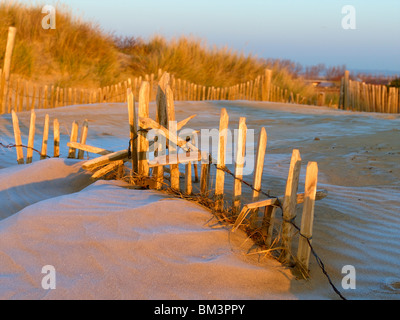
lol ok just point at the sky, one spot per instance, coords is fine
(309, 32)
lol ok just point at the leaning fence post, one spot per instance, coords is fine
(289, 204)
(17, 136)
(307, 219)
(31, 138)
(83, 138)
(268, 223)
(220, 175)
(258, 171)
(12, 31)
(73, 138)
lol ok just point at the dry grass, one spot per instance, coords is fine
(76, 51)
(80, 53)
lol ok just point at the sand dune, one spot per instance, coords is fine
(109, 241)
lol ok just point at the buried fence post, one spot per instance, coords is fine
(31, 138)
(73, 138)
(205, 175)
(188, 178)
(17, 136)
(289, 204)
(268, 223)
(43, 153)
(258, 171)
(307, 219)
(56, 132)
(83, 138)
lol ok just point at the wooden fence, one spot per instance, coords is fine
(151, 173)
(359, 96)
(21, 95)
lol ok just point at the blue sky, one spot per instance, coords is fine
(308, 32)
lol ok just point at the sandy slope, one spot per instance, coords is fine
(357, 224)
(107, 242)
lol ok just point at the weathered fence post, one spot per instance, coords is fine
(205, 176)
(346, 90)
(43, 152)
(31, 138)
(12, 31)
(220, 174)
(73, 138)
(143, 144)
(84, 132)
(17, 136)
(258, 171)
(132, 129)
(239, 163)
(289, 204)
(56, 136)
(307, 219)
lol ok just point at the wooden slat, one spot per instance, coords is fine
(162, 119)
(17, 136)
(45, 138)
(83, 138)
(94, 163)
(181, 158)
(170, 134)
(258, 170)
(205, 176)
(31, 138)
(73, 139)
(87, 148)
(188, 178)
(220, 175)
(268, 223)
(143, 144)
(289, 204)
(56, 131)
(307, 219)
(239, 164)
(182, 123)
(161, 100)
(133, 127)
(107, 169)
(321, 194)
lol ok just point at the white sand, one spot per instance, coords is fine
(107, 241)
